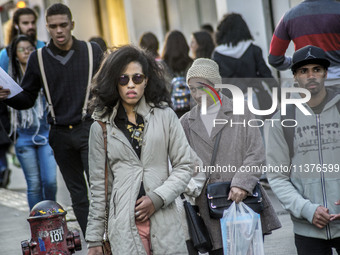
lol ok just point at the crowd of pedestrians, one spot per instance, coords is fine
(159, 110)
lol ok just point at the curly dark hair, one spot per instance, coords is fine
(12, 55)
(176, 52)
(205, 44)
(232, 29)
(105, 83)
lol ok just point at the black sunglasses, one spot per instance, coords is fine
(137, 78)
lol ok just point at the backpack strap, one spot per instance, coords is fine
(89, 48)
(289, 132)
(47, 91)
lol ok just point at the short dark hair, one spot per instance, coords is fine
(149, 42)
(232, 29)
(105, 83)
(16, 17)
(205, 44)
(58, 9)
(207, 27)
(100, 41)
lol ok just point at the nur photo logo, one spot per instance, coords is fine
(239, 99)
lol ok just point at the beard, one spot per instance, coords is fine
(316, 90)
(32, 34)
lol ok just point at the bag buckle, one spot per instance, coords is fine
(212, 205)
(209, 197)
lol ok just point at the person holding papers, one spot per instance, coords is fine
(31, 129)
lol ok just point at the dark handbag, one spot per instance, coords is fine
(217, 194)
(105, 243)
(198, 232)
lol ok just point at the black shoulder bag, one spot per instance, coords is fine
(217, 193)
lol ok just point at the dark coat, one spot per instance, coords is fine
(250, 70)
(239, 146)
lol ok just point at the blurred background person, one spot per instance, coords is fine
(31, 128)
(176, 57)
(23, 22)
(149, 42)
(210, 29)
(241, 62)
(201, 45)
(311, 22)
(100, 41)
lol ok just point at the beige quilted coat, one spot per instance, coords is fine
(163, 137)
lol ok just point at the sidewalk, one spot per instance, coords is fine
(14, 212)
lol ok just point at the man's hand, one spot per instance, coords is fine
(237, 194)
(4, 93)
(336, 216)
(321, 217)
(97, 250)
(144, 209)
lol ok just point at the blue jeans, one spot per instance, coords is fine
(39, 166)
(3, 161)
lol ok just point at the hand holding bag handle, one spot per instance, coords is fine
(217, 193)
(106, 243)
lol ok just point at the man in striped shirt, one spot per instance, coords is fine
(312, 22)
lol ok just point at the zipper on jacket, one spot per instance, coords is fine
(323, 185)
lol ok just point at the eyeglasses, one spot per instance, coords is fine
(22, 49)
(137, 78)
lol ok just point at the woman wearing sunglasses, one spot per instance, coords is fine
(143, 136)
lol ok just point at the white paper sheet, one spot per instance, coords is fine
(8, 83)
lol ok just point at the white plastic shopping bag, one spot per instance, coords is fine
(241, 231)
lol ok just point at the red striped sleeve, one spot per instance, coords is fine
(278, 46)
(331, 44)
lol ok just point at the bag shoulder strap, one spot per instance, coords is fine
(103, 126)
(214, 154)
(89, 48)
(217, 143)
(289, 132)
(47, 91)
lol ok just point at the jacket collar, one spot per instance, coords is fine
(142, 109)
(197, 126)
